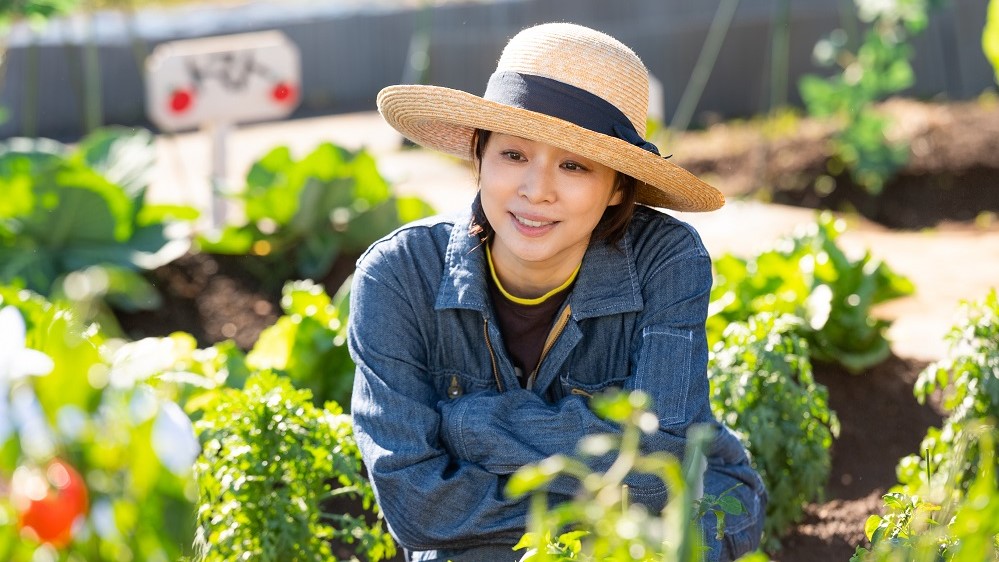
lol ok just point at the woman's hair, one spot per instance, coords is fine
(611, 227)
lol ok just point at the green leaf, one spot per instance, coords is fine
(123, 156)
(871, 525)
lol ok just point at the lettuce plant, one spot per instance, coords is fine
(300, 215)
(809, 276)
(762, 387)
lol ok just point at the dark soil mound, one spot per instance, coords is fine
(952, 174)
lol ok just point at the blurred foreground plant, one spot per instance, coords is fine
(95, 457)
(601, 523)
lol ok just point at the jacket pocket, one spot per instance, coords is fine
(453, 384)
(664, 372)
(585, 388)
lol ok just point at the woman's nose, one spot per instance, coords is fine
(537, 185)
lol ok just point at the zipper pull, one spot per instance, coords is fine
(454, 390)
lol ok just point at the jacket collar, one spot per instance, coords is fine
(607, 282)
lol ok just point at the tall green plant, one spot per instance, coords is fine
(990, 37)
(968, 381)
(878, 68)
(762, 387)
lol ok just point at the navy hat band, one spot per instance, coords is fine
(566, 102)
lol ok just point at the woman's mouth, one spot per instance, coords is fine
(533, 226)
(532, 223)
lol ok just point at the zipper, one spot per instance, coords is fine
(492, 354)
(563, 321)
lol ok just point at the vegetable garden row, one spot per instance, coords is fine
(158, 449)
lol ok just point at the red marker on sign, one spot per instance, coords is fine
(283, 92)
(180, 100)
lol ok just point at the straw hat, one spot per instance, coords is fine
(562, 84)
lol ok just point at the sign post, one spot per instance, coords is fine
(216, 83)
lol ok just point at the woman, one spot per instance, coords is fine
(478, 338)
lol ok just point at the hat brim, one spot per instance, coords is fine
(444, 119)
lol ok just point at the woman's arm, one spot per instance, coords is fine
(668, 363)
(430, 499)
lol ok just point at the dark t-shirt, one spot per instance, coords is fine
(525, 327)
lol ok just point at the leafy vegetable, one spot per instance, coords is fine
(66, 211)
(762, 387)
(808, 275)
(271, 459)
(304, 214)
(309, 343)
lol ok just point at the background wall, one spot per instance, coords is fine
(349, 53)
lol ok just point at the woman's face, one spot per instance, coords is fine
(543, 203)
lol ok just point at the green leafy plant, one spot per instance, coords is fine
(303, 214)
(270, 461)
(84, 210)
(309, 343)
(968, 381)
(964, 528)
(79, 417)
(602, 524)
(878, 68)
(808, 275)
(762, 387)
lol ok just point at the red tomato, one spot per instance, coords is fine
(49, 503)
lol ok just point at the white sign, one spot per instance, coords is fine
(227, 79)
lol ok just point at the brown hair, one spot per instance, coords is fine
(611, 227)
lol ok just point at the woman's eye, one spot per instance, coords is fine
(512, 155)
(573, 166)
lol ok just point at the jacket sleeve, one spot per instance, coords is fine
(669, 363)
(430, 499)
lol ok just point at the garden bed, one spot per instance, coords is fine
(880, 419)
(952, 180)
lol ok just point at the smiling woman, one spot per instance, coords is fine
(480, 338)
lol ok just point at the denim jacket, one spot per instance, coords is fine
(442, 420)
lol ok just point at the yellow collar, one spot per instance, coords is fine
(519, 300)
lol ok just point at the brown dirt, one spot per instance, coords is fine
(952, 174)
(953, 180)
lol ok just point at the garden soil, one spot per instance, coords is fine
(942, 234)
